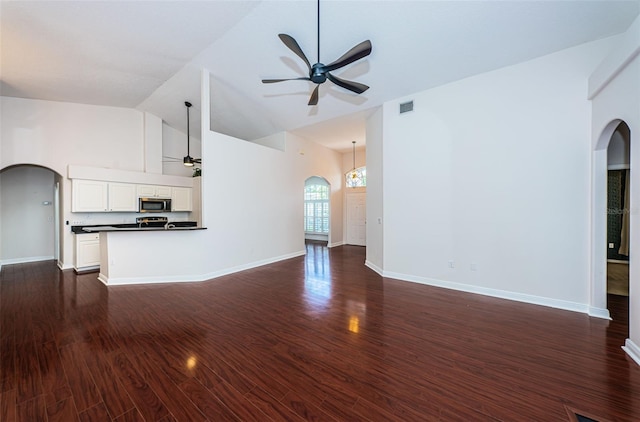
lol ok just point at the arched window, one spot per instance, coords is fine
(316, 205)
(357, 178)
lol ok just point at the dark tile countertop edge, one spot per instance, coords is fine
(178, 226)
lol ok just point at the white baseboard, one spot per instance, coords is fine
(599, 313)
(632, 350)
(374, 267)
(64, 266)
(486, 291)
(24, 260)
(336, 244)
(103, 278)
(188, 278)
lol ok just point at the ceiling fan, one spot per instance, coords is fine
(319, 72)
(188, 161)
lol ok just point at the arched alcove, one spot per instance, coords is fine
(317, 209)
(30, 218)
(600, 213)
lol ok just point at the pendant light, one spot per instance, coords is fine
(188, 160)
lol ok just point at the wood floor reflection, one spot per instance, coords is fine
(320, 337)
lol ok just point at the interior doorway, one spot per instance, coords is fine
(317, 206)
(618, 215)
(29, 209)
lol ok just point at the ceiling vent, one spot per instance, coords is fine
(406, 107)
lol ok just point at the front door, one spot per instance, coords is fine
(357, 219)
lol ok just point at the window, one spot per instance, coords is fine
(357, 178)
(316, 206)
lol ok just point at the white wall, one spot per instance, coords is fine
(254, 199)
(492, 173)
(375, 191)
(347, 159)
(616, 89)
(28, 224)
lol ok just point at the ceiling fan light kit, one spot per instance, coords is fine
(319, 72)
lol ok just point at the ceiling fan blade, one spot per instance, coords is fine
(293, 46)
(313, 100)
(271, 81)
(356, 87)
(197, 160)
(359, 51)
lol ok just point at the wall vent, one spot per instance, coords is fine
(405, 107)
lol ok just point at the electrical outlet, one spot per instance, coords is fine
(452, 264)
(474, 267)
(611, 246)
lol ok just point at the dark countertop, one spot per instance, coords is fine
(178, 226)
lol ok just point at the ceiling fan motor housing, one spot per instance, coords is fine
(317, 74)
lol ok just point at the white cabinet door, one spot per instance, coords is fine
(122, 197)
(89, 196)
(181, 199)
(163, 191)
(154, 191)
(146, 191)
(87, 251)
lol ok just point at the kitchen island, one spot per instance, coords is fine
(130, 254)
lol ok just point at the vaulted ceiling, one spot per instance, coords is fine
(148, 54)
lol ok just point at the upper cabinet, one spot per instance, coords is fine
(154, 191)
(89, 196)
(99, 196)
(122, 197)
(181, 199)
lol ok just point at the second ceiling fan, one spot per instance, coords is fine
(319, 72)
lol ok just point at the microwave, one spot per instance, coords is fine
(154, 205)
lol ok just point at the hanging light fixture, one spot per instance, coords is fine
(354, 173)
(189, 161)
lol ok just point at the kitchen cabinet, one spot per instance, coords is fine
(89, 196)
(122, 197)
(99, 196)
(154, 191)
(87, 248)
(181, 199)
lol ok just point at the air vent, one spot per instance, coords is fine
(405, 107)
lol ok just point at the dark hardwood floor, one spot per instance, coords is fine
(319, 337)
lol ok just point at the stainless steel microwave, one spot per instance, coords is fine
(154, 205)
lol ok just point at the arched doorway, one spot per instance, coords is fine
(29, 214)
(601, 213)
(317, 206)
(618, 215)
